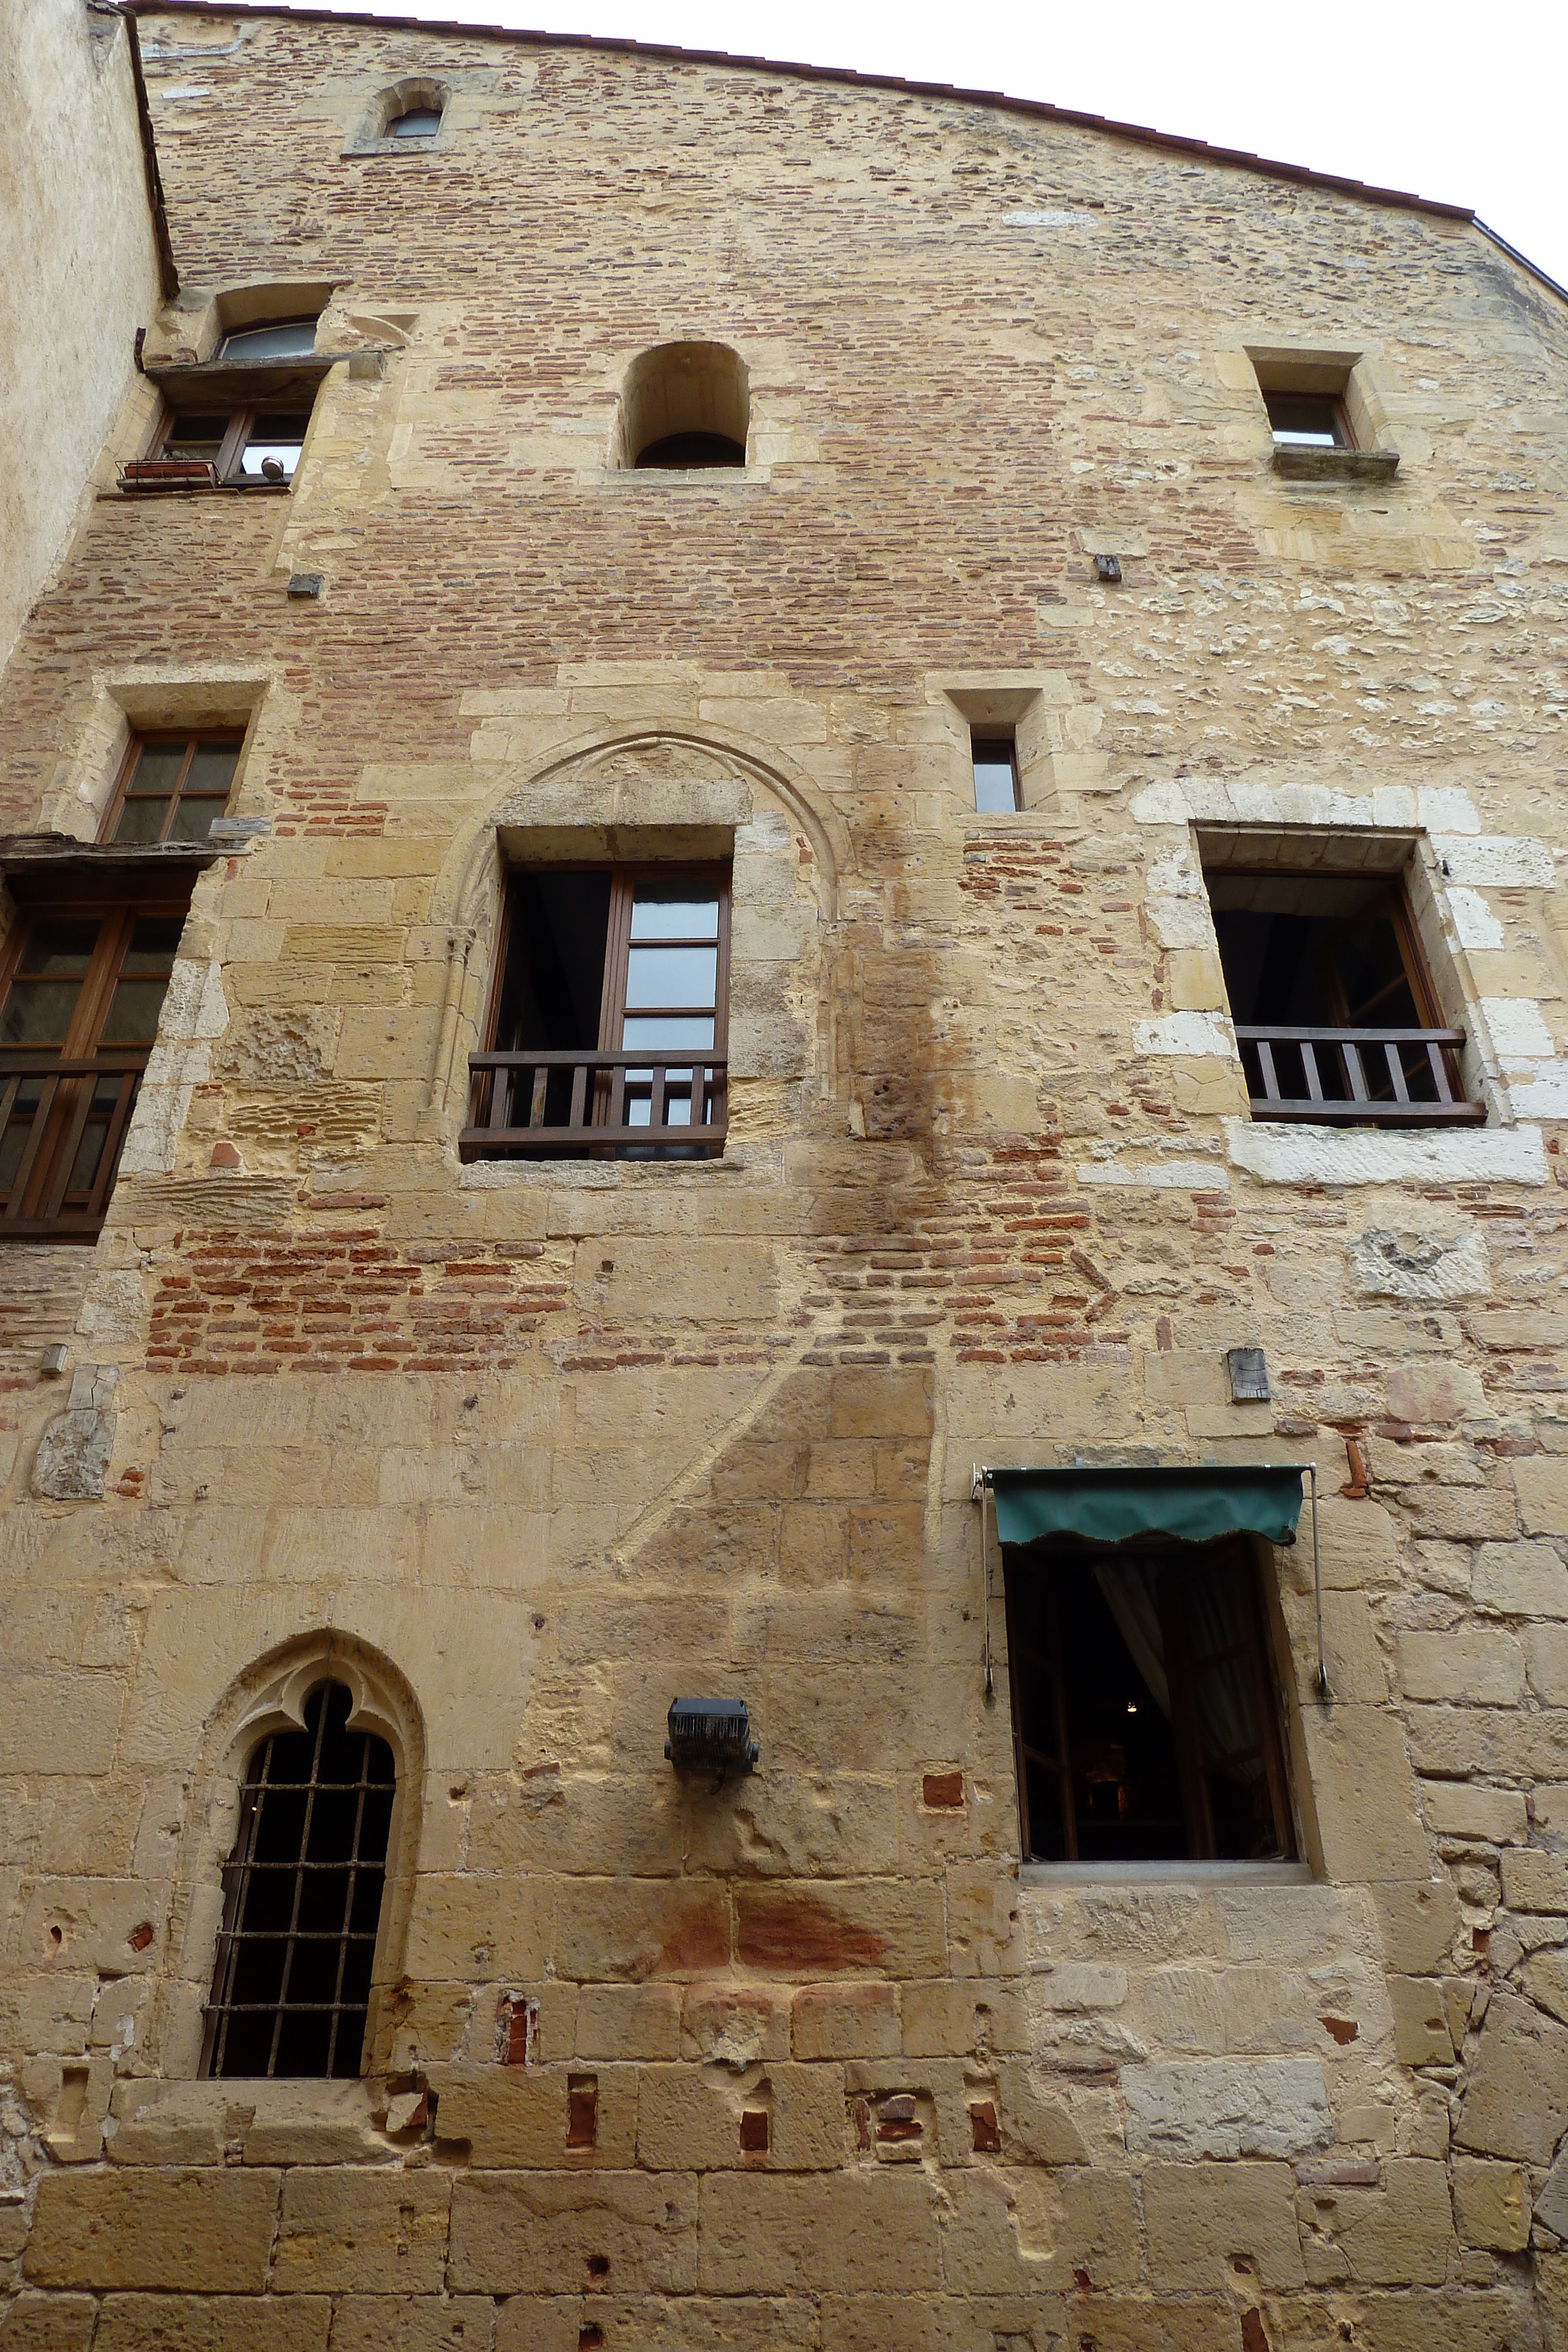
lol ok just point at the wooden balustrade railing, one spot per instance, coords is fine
(545, 1100)
(1395, 1077)
(62, 1124)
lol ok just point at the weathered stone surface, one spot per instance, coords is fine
(1269, 2106)
(1515, 2103)
(542, 2231)
(1398, 2233)
(348, 2229)
(1203, 2218)
(1491, 2205)
(74, 1452)
(190, 2322)
(200, 2231)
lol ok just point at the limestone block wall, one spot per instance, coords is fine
(82, 276)
(525, 1449)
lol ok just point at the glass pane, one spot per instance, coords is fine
(194, 815)
(290, 338)
(266, 451)
(659, 914)
(656, 1034)
(213, 768)
(419, 122)
(155, 943)
(38, 1013)
(672, 976)
(1304, 420)
(157, 771)
(14, 1139)
(60, 946)
(194, 437)
(133, 1012)
(994, 788)
(88, 1152)
(142, 820)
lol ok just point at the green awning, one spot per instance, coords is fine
(1110, 1507)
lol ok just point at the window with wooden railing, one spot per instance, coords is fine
(608, 1026)
(82, 989)
(1336, 1019)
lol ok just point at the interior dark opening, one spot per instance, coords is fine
(552, 987)
(1321, 954)
(1143, 1708)
(1307, 420)
(689, 450)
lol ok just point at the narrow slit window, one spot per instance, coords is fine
(1144, 1713)
(303, 1899)
(996, 767)
(171, 787)
(1307, 420)
(610, 1026)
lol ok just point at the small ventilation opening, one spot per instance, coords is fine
(685, 406)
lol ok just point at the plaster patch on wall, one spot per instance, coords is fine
(1167, 1175)
(1497, 861)
(1193, 1036)
(1518, 1030)
(1228, 2107)
(1387, 1264)
(1475, 925)
(1277, 1154)
(74, 1452)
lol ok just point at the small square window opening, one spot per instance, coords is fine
(1307, 420)
(996, 769)
(418, 122)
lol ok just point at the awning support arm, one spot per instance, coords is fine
(980, 1481)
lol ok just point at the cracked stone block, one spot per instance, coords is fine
(74, 1450)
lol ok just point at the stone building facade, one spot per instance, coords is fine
(1103, 597)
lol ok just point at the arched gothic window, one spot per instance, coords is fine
(303, 1899)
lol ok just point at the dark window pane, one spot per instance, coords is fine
(194, 815)
(132, 1016)
(683, 451)
(1305, 420)
(212, 767)
(302, 1938)
(38, 1012)
(196, 437)
(155, 943)
(157, 769)
(555, 961)
(141, 820)
(61, 945)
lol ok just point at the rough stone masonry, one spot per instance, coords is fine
(516, 1448)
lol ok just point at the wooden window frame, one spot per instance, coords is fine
(480, 1140)
(37, 1206)
(1270, 1699)
(227, 467)
(208, 739)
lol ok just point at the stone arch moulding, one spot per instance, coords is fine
(463, 884)
(622, 792)
(269, 1696)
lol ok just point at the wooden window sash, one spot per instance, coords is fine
(232, 448)
(213, 739)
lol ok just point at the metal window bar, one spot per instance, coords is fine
(1351, 1096)
(245, 1887)
(508, 1101)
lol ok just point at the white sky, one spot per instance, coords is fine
(1446, 98)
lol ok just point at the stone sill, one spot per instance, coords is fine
(1165, 1874)
(681, 481)
(1336, 465)
(573, 1175)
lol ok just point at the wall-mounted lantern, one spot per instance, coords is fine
(710, 1735)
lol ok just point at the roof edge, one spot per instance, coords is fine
(1532, 268)
(1037, 110)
